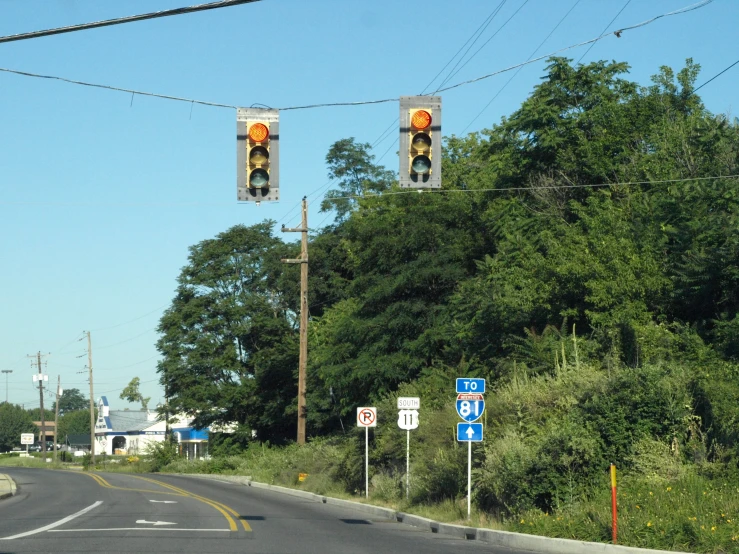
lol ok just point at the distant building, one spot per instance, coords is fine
(49, 428)
(132, 431)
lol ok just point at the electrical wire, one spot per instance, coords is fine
(520, 68)
(605, 28)
(717, 75)
(452, 75)
(159, 309)
(551, 187)
(481, 29)
(121, 20)
(617, 33)
(124, 341)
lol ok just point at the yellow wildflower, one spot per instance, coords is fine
(522, 521)
(649, 523)
(713, 528)
(669, 489)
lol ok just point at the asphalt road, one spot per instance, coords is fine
(66, 511)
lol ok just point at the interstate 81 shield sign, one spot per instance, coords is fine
(470, 406)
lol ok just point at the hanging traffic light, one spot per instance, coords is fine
(257, 156)
(420, 141)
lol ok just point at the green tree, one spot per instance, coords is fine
(132, 393)
(74, 423)
(350, 165)
(71, 400)
(14, 420)
(229, 340)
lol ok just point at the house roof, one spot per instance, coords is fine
(129, 420)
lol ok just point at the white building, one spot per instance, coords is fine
(132, 431)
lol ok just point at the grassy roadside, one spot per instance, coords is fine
(688, 513)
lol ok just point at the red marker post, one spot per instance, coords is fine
(614, 521)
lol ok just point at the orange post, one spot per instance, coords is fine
(613, 504)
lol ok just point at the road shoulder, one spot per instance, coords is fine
(7, 486)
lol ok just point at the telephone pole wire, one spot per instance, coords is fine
(56, 413)
(92, 401)
(303, 360)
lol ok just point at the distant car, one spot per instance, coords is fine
(34, 448)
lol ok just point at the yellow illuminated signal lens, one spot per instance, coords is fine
(421, 119)
(258, 132)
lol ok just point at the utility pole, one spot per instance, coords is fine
(92, 400)
(56, 413)
(6, 371)
(303, 360)
(40, 378)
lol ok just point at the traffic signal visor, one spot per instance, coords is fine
(257, 154)
(420, 141)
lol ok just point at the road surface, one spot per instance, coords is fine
(71, 511)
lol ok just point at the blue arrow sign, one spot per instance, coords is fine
(466, 384)
(470, 406)
(469, 432)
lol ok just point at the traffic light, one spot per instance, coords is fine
(257, 154)
(420, 141)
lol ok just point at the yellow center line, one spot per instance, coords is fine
(214, 503)
(178, 492)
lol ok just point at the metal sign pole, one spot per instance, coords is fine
(469, 477)
(407, 464)
(366, 462)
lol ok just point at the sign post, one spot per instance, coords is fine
(366, 417)
(408, 419)
(470, 406)
(26, 438)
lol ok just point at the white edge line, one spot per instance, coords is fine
(55, 524)
(135, 529)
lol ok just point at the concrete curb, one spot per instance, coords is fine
(7, 486)
(521, 541)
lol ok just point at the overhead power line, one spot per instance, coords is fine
(617, 33)
(121, 20)
(615, 17)
(715, 76)
(528, 189)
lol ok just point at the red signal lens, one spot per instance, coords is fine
(258, 132)
(421, 119)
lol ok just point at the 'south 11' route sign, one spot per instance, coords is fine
(470, 406)
(366, 417)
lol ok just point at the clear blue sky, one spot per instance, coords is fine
(100, 197)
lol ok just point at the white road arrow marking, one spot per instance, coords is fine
(470, 432)
(164, 501)
(155, 523)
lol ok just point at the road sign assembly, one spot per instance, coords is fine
(469, 432)
(27, 438)
(409, 403)
(466, 384)
(470, 406)
(408, 419)
(366, 417)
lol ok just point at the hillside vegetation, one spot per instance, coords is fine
(583, 257)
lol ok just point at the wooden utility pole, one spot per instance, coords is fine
(41, 400)
(92, 401)
(56, 414)
(303, 360)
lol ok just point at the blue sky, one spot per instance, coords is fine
(101, 193)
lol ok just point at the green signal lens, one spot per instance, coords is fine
(258, 155)
(421, 165)
(258, 178)
(421, 142)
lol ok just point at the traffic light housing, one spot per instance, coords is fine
(420, 142)
(257, 154)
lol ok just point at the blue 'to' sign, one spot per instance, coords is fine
(470, 406)
(470, 385)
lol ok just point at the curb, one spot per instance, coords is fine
(533, 543)
(7, 486)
